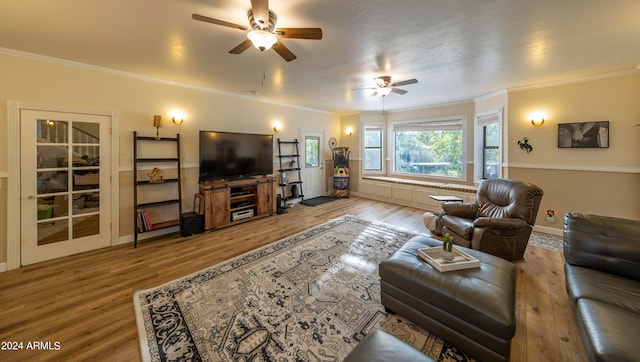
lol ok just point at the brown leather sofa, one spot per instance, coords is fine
(499, 222)
(602, 274)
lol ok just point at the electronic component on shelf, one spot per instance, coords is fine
(241, 214)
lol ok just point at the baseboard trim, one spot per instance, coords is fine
(547, 230)
(3, 267)
(148, 235)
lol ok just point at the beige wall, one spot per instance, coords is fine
(64, 86)
(601, 181)
(598, 181)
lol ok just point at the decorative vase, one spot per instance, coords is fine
(447, 255)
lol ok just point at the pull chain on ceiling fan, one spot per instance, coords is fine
(263, 33)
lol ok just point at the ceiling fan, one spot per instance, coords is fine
(262, 32)
(384, 85)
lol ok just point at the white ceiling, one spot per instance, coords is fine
(457, 49)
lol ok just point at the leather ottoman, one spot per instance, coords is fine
(381, 346)
(473, 309)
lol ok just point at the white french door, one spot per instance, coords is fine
(313, 165)
(65, 189)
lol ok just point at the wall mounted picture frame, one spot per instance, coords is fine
(583, 135)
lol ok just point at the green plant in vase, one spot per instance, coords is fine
(447, 251)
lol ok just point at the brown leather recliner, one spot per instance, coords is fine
(499, 222)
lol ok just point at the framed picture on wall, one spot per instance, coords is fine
(583, 135)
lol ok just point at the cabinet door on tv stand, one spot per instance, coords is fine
(266, 202)
(220, 207)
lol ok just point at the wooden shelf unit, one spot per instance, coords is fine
(287, 173)
(175, 194)
(225, 200)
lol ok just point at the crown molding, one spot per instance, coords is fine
(95, 68)
(491, 95)
(575, 80)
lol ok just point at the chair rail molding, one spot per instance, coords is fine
(616, 169)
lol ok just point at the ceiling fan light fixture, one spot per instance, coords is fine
(384, 91)
(262, 39)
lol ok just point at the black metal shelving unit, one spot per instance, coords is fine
(290, 168)
(140, 208)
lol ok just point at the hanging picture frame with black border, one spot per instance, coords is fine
(583, 135)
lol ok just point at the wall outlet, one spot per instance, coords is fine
(550, 216)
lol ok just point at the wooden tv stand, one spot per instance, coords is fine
(229, 203)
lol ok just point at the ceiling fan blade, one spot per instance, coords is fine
(399, 91)
(260, 9)
(404, 82)
(300, 33)
(207, 19)
(241, 47)
(284, 52)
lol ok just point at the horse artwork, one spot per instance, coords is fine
(524, 145)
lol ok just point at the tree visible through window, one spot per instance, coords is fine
(431, 147)
(490, 150)
(312, 151)
(488, 145)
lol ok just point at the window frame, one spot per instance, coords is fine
(306, 153)
(482, 120)
(382, 128)
(392, 147)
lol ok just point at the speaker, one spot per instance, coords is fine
(191, 223)
(281, 206)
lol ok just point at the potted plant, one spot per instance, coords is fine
(447, 252)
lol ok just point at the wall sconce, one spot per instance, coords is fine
(177, 117)
(277, 127)
(157, 123)
(349, 131)
(537, 119)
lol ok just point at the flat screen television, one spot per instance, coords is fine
(226, 155)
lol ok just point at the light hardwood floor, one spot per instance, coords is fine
(84, 302)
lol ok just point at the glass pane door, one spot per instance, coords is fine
(313, 170)
(63, 187)
(68, 179)
(312, 151)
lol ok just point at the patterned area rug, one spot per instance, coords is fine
(310, 297)
(546, 241)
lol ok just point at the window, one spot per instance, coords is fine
(373, 152)
(429, 147)
(312, 151)
(488, 145)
